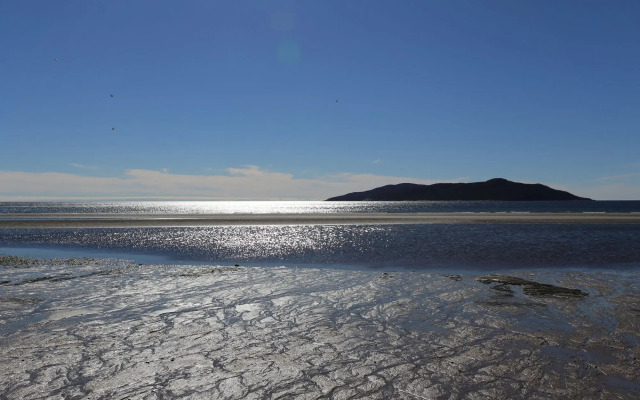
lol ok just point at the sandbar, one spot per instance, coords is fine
(113, 220)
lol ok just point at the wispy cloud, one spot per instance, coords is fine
(614, 191)
(82, 166)
(616, 177)
(603, 189)
(239, 183)
(247, 182)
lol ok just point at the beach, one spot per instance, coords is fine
(336, 305)
(119, 220)
(98, 329)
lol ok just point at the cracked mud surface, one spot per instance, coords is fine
(108, 329)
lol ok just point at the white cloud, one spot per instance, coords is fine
(248, 182)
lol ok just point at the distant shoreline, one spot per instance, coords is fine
(113, 220)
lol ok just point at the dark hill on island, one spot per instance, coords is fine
(493, 189)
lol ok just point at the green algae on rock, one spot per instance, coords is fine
(530, 288)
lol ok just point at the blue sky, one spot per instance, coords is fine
(237, 99)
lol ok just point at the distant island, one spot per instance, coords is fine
(494, 189)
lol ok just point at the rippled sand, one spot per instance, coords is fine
(85, 328)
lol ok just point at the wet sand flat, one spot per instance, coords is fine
(169, 220)
(89, 328)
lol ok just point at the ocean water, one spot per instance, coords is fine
(435, 247)
(265, 207)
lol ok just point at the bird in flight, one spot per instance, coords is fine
(337, 100)
(112, 95)
(55, 59)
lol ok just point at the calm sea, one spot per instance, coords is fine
(438, 247)
(261, 207)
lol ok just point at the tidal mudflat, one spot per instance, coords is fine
(113, 329)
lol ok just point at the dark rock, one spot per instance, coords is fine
(511, 304)
(530, 288)
(542, 289)
(504, 288)
(505, 279)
